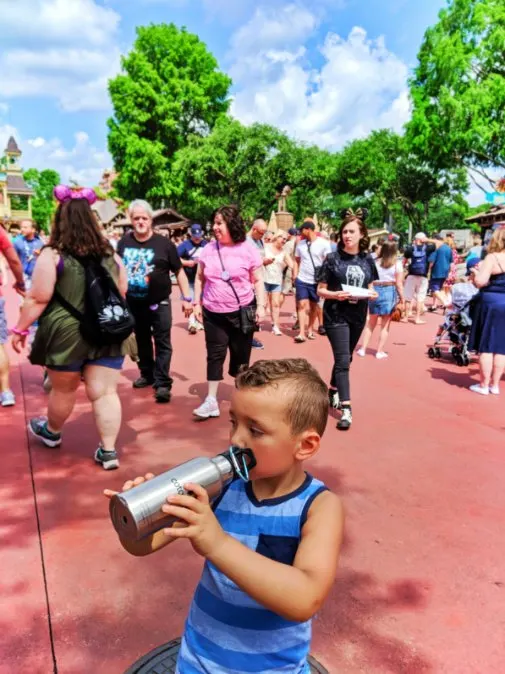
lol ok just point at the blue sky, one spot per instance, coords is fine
(326, 71)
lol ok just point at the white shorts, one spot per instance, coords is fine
(416, 287)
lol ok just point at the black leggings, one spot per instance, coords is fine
(343, 338)
(222, 332)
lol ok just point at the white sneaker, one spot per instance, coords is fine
(199, 326)
(495, 390)
(7, 398)
(477, 388)
(209, 408)
(361, 353)
(381, 354)
(276, 331)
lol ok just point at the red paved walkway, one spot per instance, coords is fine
(421, 586)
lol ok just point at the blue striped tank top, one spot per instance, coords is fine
(228, 632)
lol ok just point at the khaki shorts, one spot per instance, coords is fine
(416, 287)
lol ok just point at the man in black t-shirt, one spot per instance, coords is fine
(149, 259)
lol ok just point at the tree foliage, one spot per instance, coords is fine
(249, 166)
(170, 89)
(383, 169)
(43, 202)
(458, 89)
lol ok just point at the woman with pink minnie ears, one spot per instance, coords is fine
(58, 290)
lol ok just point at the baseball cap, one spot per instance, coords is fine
(196, 231)
(308, 224)
(471, 263)
(420, 236)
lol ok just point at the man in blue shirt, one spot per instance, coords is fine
(28, 246)
(189, 252)
(440, 266)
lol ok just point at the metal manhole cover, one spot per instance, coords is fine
(162, 660)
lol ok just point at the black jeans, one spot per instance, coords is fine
(343, 338)
(222, 332)
(154, 324)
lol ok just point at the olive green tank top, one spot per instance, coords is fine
(58, 340)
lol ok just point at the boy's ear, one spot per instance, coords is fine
(308, 445)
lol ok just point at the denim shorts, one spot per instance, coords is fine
(273, 287)
(4, 333)
(306, 291)
(112, 362)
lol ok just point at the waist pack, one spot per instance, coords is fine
(106, 319)
(419, 263)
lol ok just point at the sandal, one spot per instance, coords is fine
(311, 335)
(299, 339)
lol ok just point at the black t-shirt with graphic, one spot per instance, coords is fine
(148, 264)
(339, 269)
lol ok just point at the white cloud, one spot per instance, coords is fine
(360, 86)
(82, 161)
(70, 52)
(68, 21)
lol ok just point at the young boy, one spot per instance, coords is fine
(271, 545)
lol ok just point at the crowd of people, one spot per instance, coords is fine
(228, 283)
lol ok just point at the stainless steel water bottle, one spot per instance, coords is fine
(137, 513)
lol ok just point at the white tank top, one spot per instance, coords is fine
(273, 272)
(388, 275)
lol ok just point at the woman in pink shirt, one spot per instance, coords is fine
(228, 285)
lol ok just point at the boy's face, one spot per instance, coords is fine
(258, 422)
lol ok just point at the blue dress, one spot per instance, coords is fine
(488, 319)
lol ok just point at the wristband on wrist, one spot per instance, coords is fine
(20, 286)
(186, 299)
(21, 333)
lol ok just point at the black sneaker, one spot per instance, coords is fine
(162, 394)
(345, 420)
(333, 398)
(321, 330)
(108, 460)
(256, 344)
(142, 382)
(38, 428)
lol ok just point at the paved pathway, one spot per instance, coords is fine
(421, 585)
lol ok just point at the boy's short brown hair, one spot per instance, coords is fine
(308, 406)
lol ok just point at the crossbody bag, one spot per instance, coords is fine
(317, 269)
(247, 315)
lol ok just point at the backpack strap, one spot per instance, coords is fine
(68, 306)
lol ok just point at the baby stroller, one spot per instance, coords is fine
(455, 331)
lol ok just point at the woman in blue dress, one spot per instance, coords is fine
(487, 336)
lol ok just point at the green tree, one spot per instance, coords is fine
(382, 169)
(458, 90)
(248, 166)
(170, 89)
(43, 203)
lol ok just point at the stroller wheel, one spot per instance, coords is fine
(459, 360)
(455, 351)
(438, 352)
(466, 361)
(431, 352)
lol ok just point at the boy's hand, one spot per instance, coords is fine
(129, 484)
(202, 527)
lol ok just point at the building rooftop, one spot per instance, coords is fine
(17, 185)
(12, 146)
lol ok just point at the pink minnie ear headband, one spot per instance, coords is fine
(64, 193)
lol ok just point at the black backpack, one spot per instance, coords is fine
(106, 320)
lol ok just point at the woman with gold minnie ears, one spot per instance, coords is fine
(346, 284)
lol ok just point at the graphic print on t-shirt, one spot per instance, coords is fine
(138, 267)
(355, 276)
